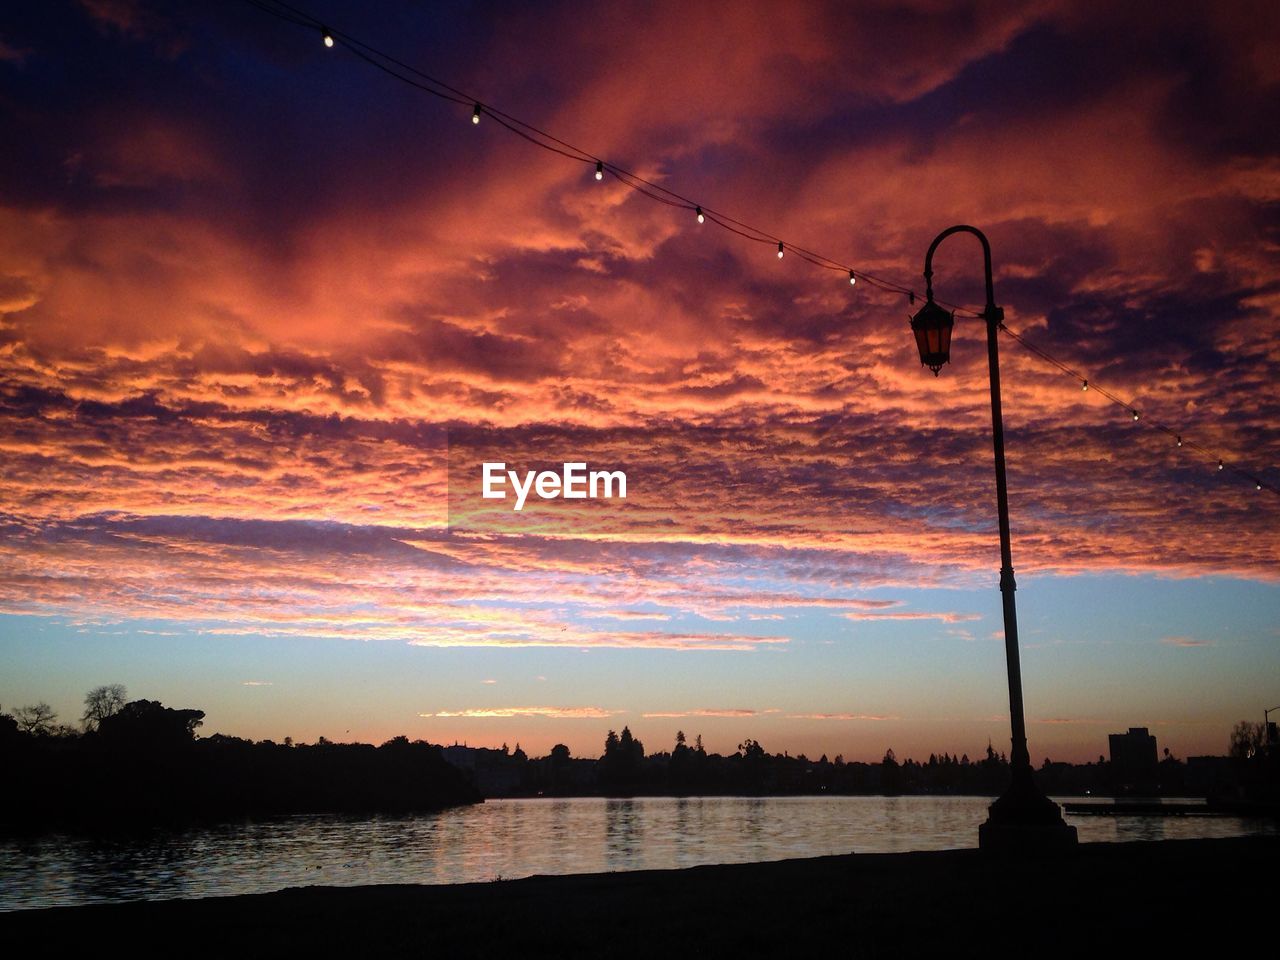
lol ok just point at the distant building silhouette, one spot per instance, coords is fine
(494, 772)
(1133, 756)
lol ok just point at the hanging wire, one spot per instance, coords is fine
(414, 77)
(1179, 437)
(423, 81)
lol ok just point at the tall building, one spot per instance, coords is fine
(1133, 755)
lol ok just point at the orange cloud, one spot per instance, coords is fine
(1185, 642)
(228, 378)
(839, 716)
(550, 713)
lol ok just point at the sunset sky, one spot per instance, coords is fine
(262, 306)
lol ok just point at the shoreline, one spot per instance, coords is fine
(1162, 891)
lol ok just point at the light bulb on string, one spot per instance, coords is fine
(329, 41)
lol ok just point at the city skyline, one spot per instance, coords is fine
(262, 309)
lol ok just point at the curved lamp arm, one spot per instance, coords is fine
(986, 261)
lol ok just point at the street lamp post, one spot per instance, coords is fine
(1266, 727)
(1023, 818)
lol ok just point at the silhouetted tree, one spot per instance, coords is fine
(632, 749)
(1246, 739)
(144, 766)
(36, 719)
(8, 728)
(680, 766)
(149, 722)
(622, 760)
(890, 773)
(102, 702)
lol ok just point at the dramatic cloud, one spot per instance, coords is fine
(263, 309)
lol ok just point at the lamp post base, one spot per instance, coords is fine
(1026, 838)
(1024, 820)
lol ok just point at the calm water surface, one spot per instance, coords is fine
(517, 838)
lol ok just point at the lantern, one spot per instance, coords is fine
(932, 327)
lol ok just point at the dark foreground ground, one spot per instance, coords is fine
(1187, 898)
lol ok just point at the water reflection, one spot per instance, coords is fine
(515, 838)
(623, 834)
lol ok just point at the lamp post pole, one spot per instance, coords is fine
(1023, 817)
(993, 316)
(1266, 726)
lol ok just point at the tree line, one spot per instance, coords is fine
(624, 768)
(130, 762)
(140, 763)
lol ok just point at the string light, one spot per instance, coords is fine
(1149, 421)
(414, 77)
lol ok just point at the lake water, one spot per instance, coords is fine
(518, 838)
